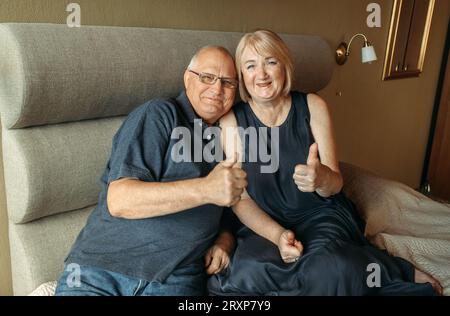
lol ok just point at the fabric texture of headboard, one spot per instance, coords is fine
(63, 94)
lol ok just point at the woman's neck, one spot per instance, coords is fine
(272, 113)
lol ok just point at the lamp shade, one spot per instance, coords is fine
(368, 54)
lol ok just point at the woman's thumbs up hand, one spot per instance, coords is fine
(311, 176)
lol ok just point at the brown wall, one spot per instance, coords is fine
(381, 126)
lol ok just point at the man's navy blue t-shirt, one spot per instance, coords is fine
(149, 248)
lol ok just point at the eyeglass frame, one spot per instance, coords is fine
(229, 83)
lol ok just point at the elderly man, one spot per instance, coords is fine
(156, 217)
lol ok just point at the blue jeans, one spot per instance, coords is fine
(93, 281)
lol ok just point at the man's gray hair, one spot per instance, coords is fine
(194, 58)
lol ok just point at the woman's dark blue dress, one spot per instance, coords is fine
(337, 258)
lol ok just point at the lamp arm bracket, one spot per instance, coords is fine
(351, 40)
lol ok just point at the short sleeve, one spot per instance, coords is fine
(140, 145)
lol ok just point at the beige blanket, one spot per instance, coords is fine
(402, 221)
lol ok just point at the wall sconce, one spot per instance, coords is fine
(367, 52)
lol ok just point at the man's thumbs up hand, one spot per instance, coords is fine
(225, 183)
(231, 162)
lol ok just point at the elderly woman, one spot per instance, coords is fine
(299, 207)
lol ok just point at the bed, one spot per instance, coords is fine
(65, 91)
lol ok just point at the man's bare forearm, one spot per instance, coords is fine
(135, 199)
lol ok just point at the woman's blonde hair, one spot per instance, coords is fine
(265, 43)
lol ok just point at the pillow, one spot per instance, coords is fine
(403, 221)
(46, 289)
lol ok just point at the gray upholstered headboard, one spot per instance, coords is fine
(63, 94)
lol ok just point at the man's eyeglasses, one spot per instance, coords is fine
(207, 78)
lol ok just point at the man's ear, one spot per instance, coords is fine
(186, 79)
